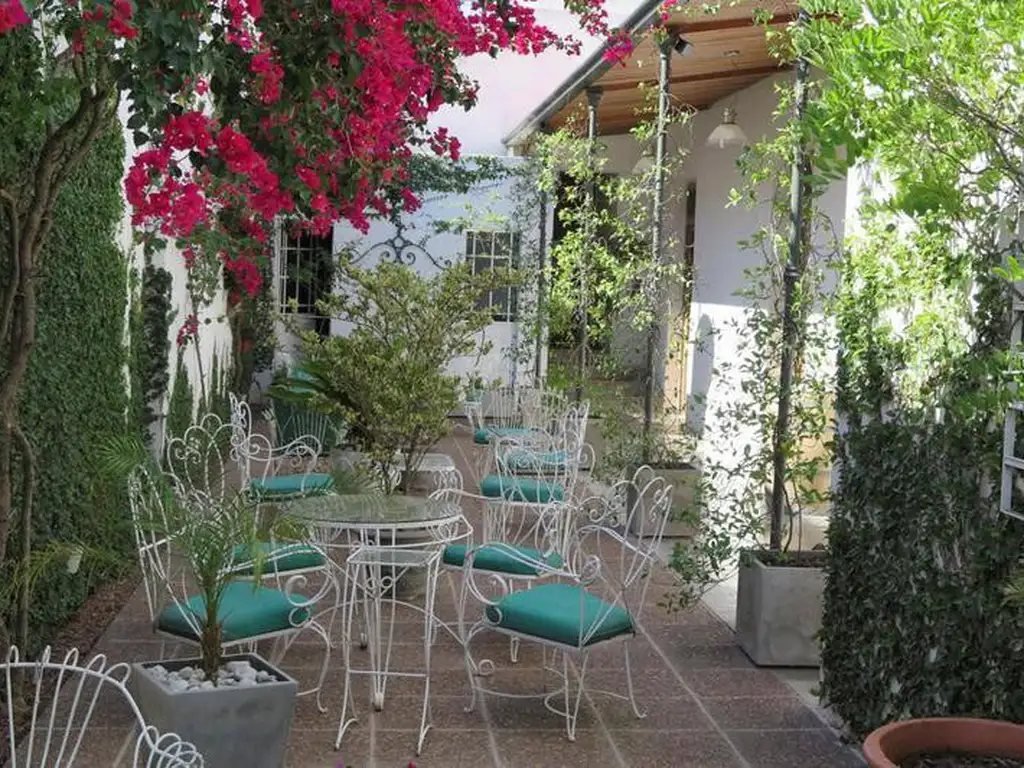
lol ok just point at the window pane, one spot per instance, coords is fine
(502, 245)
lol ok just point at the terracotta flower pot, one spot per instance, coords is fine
(887, 746)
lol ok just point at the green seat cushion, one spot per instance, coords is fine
(500, 558)
(556, 612)
(245, 611)
(289, 556)
(521, 489)
(523, 460)
(483, 436)
(292, 485)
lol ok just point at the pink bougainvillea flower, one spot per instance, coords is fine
(12, 14)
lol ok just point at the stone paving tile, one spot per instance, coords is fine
(677, 749)
(757, 712)
(668, 713)
(442, 749)
(787, 749)
(312, 748)
(551, 749)
(735, 682)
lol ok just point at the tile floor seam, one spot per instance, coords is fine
(373, 742)
(700, 704)
(492, 740)
(607, 732)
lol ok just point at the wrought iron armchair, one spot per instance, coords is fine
(593, 598)
(64, 697)
(516, 411)
(210, 458)
(272, 471)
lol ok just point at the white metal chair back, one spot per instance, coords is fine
(202, 458)
(624, 531)
(260, 458)
(548, 459)
(64, 697)
(541, 408)
(148, 497)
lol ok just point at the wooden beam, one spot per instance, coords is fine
(692, 27)
(700, 77)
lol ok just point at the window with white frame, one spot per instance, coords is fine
(304, 271)
(495, 250)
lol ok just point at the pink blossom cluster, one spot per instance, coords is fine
(333, 103)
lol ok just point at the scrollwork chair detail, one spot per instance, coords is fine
(251, 613)
(65, 695)
(593, 598)
(211, 458)
(275, 472)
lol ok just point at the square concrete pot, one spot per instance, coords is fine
(778, 608)
(683, 479)
(231, 727)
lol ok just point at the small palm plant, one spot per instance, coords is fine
(208, 531)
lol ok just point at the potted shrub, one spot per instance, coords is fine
(387, 377)
(669, 454)
(779, 592)
(237, 709)
(945, 741)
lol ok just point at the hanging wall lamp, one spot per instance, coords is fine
(727, 134)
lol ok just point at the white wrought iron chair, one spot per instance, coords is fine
(533, 470)
(275, 472)
(593, 599)
(202, 460)
(515, 411)
(252, 613)
(64, 696)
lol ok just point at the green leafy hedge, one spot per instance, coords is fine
(75, 393)
(915, 619)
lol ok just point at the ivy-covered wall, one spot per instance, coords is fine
(916, 622)
(75, 393)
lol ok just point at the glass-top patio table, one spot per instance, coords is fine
(367, 513)
(385, 537)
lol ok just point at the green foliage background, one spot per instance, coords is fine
(916, 623)
(75, 394)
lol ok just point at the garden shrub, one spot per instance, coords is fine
(915, 618)
(181, 406)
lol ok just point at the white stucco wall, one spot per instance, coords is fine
(719, 260)
(215, 337)
(490, 206)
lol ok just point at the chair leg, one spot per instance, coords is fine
(325, 636)
(572, 703)
(629, 683)
(513, 649)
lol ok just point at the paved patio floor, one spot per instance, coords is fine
(707, 704)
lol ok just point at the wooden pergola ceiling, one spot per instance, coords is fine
(729, 53)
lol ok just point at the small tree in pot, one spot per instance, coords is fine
(387, 377)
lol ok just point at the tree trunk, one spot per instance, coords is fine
(22, 339)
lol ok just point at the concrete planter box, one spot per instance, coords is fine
(231, 727)
(778, 609)
(683, 478)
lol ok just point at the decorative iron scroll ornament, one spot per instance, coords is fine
(400, 250)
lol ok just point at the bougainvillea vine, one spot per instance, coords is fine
(245, 112)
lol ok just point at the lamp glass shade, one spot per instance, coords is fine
(728, 134)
